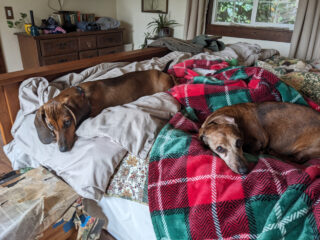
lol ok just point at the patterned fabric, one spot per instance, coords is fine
(130, 180)
(192, 192)
(282, 65)
(297, 73)
(307, 83)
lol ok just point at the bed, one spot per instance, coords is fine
(10, 82)
(191, 193)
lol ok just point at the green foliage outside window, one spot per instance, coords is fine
(268, 11)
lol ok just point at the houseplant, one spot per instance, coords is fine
(161, 25)
(20, 23)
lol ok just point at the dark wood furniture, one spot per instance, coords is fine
(10, 82)
(58, 48)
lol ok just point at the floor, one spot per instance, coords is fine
(5, 165)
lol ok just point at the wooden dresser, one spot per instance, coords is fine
(57, 48)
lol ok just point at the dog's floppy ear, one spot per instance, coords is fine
(222, 119)
(79, 110)
(46, 136)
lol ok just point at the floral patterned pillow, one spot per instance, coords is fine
(130, 180)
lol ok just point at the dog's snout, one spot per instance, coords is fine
(63, 148)
(243, 170)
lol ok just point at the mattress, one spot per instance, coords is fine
(127, 219)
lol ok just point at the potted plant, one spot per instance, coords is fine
(161, 25)
(20, 23)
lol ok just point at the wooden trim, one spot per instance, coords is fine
(58, 234)
(10, 82)
(5, 121)
(209, 13)
(3, 68)
(260, 33)
(78, 65)
(11, 93)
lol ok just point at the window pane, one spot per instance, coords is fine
(234, 11)
(286, 13)
(243, 11)
(225, 12)
(273, 11)
(265, 12)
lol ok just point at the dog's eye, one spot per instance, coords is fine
(239, 143)
(66, 123)
(220, 149)
(50, 126)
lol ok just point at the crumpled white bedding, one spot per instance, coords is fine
(103, 141)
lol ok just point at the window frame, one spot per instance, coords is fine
(260, 32)
(253, 18)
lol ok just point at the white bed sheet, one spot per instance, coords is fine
(127, 220)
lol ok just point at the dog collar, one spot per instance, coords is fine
(81, 91)
(83, 94)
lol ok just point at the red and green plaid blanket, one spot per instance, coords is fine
(194, 195)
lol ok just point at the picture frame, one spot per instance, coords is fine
(154, 6)
(9, 12)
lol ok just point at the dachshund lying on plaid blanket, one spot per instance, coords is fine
(58, 119)
(281, 129)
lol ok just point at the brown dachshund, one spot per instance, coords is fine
(58, 119)
(282, 129)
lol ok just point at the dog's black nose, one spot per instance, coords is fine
(243, 170)
(63, 148)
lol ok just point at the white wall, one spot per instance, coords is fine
(127, 11)
(135, 21)
(282, 47)
(41, 10)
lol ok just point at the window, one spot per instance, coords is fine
(269, 13)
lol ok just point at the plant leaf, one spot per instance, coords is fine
(10, 24)
(23, 15)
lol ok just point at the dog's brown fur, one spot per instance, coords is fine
(59, 117)
(282, 129)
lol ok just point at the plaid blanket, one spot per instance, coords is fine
(194, 195)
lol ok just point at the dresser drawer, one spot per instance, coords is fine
(88, 54)
(87, 42)
(109, 39)
(59, 59)
(105, 51)
(58, 46)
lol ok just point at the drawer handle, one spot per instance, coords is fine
(62, 60)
